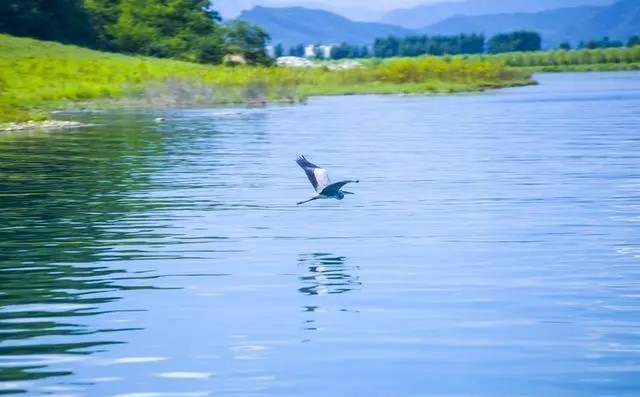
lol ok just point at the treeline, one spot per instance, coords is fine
(413, 46)
(463, 44)
(428, 45)
(560, 58)
(603, 43)
(183, 29)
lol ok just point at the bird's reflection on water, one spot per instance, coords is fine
(324, 274)
(327, 274)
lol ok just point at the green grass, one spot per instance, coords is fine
(37, 77)
(598, 67)
(601, 59)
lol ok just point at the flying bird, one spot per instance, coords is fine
(321, 182)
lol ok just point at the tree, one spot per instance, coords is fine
(297, 51)
(516, 41)
(183, 29)
(564, 46)
(249, 40)
(633, 41)
(66, 21)
(278, 50)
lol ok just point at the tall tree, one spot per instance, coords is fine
(184, 29)
(66, 21)
(248, 40)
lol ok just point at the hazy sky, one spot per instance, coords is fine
(359, 9)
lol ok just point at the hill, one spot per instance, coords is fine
(618, 21)
(297, 25)
(420, 16)
(550, 24)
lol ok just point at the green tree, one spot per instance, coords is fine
(297, 51)
(565, 45)
(66, 21)
(249, 40)
(183, 29)
(278, 50)
(633, 41)
(516, 41)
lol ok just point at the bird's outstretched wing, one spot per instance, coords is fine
(333, 188)
(317, 176)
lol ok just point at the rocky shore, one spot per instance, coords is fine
(40, 125)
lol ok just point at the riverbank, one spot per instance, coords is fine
(38, 77)
(582, 60)
(48, 125)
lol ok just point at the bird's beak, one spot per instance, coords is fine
(345, 192)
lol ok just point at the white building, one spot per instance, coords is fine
(325, 50)
(309, 51)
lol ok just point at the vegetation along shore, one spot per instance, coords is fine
(183, 54)
(39, 76)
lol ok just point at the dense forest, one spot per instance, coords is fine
(431, 45)
(412, 46)
(183, 29)
(463, 44)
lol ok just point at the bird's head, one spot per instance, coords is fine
(340, 195)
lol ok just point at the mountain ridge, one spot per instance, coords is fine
(423, 15)
(298, 25)
(291, 26)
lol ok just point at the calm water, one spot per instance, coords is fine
(492, 249)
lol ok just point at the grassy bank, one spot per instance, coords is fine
(585, 60)
(37, 76)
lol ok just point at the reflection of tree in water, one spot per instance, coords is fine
(327, 274)
(324, 274)
(62, 198)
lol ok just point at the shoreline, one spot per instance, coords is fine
(352, 90)
(44, 125)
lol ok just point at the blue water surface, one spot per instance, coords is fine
(492, 248)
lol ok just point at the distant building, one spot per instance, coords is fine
(325, 50)
(310, 51)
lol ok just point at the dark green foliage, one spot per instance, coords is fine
(297, 51)
(432, 45)
(345, 50)
(633, 41)
(521, 40)
(564, 46)
(278, 50)
(183, 29)
(66, 21)
(604, 43)
(248, 40)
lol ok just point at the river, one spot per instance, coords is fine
(492, 248)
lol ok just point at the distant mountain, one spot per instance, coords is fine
(420, 16)
(617, 21)
(552, 25)
(230, 9)
(296, 25)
